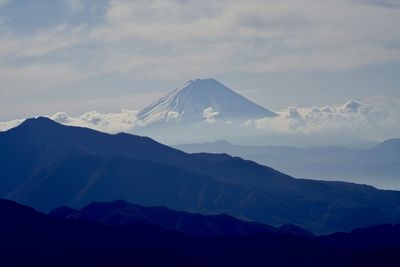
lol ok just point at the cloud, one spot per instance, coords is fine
(75, 5)
(377, 118)
(4, 2)
(20, 81)
(172, 115)
(123, 121)
(4, 126)
(352, 119)
(381, 3)
(249, 36)
(42, 42)
(156, 38)
(109, 122)
(210, 115)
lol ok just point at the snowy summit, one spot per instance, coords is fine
(202, 100)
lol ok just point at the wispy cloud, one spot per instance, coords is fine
(41, 43)
(24, 80)
(381, 3)
(254, 36)
(220, 37)
(75, 5)
(4, 2)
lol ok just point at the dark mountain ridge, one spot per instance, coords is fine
(122, 213)
(30, 238)
(46, 165)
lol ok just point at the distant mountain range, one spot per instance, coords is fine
(31, 238)
(202, 100)
(378, 166)
(46, 165)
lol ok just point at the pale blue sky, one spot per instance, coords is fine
(76, 56)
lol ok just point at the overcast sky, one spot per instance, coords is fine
(81, 55)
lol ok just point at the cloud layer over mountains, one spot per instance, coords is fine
(377, 119)
(125, 121)
(353, 118)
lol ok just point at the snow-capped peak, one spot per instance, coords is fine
(202, 100)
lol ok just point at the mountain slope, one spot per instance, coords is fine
(122, 213)
(200, 100)
(46, 165)
(80, 179)
(30, 238)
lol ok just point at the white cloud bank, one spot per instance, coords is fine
(123, 121)
(376, 119)
(354, 119)
(5, 125)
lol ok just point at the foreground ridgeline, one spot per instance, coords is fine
(31, 238)
(46, 165)
(122, 213)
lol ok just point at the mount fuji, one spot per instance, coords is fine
(202, 100)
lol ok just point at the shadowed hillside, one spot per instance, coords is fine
(46, 165)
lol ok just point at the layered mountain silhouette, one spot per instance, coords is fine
(122, 213)
(202, 100)
(378, 166)
(46, 165)
(31, 238)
